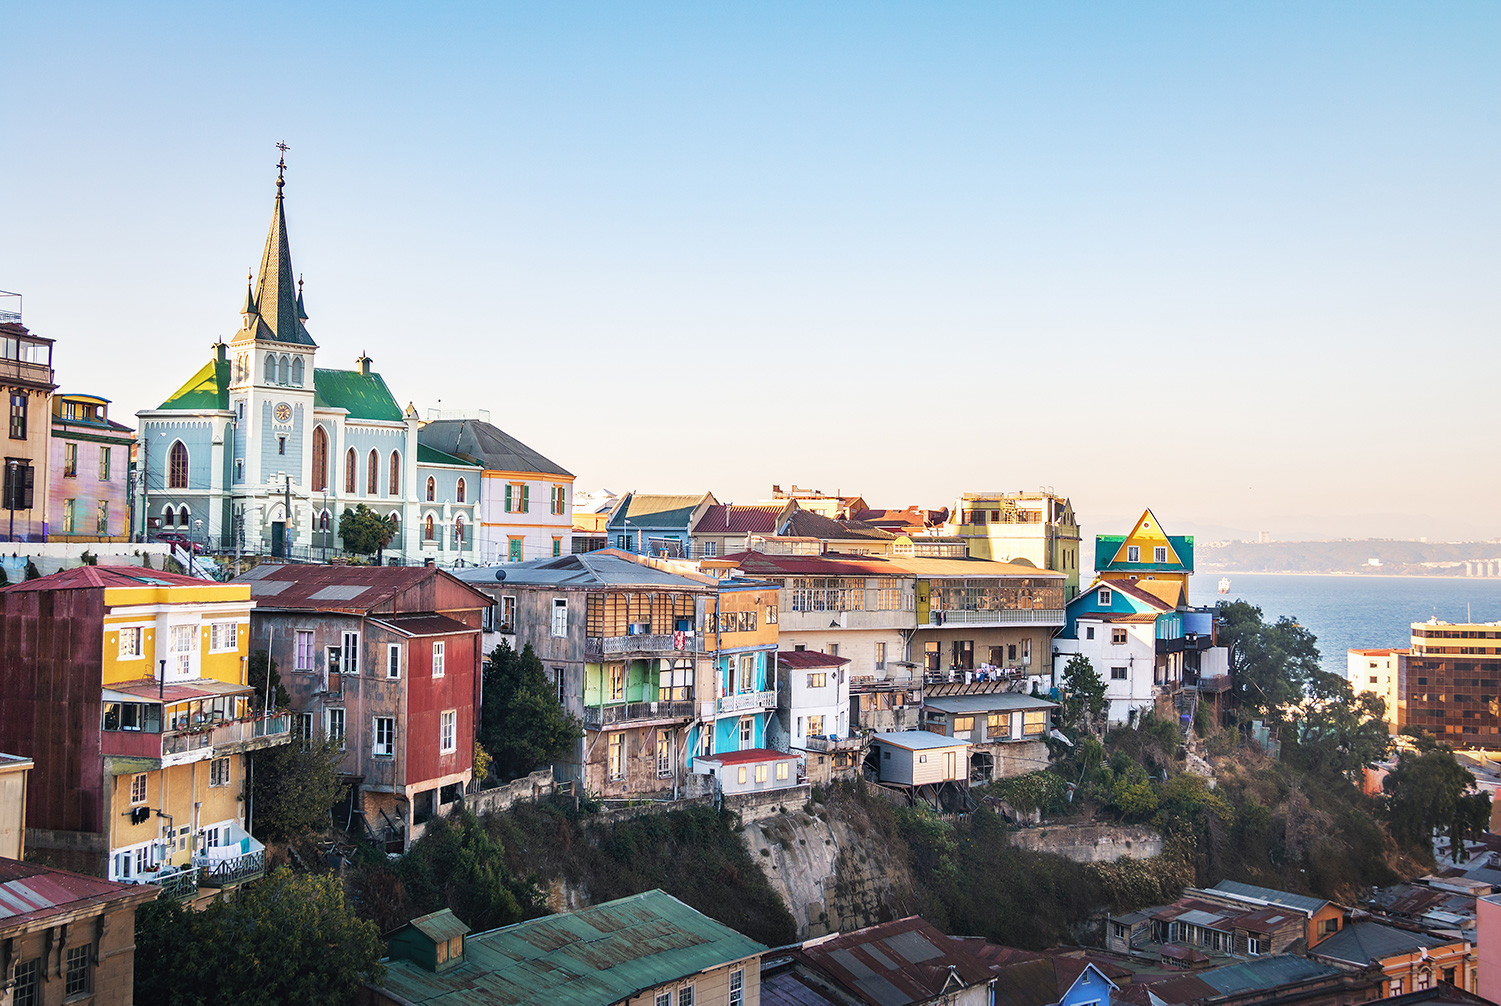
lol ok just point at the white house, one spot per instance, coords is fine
(920, 758)
(750, 771)
(813, 697)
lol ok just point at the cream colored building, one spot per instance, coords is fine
(13, 771)
(1379, 672)
(1038, 527)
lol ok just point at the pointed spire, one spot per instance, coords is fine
(249, 307)
(275, 300)
(301, 311)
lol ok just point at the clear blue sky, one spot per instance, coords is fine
(1237, 262)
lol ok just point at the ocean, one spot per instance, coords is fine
(1356, 612)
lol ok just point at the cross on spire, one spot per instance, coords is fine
(281, 165)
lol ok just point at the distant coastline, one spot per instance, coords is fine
(1349, 574)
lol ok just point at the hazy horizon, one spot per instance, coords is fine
(1235, 263)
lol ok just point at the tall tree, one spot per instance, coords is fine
(1272, 666)
(258, 669)
(282, 940)
(1340, 730)
(364, 531)
(1083, 695)
(521, 722)
(1429, 790)
(296, 784)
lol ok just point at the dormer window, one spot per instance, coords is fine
(1105, 596)
(1133, 553)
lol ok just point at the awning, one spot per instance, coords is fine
(148, 690)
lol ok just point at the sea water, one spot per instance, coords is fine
(1357, 611)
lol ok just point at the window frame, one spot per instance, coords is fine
(139, 781)
(78, 971)
(1119, 636)
(438, 658)
(349, 655)
(448, 731)
(217, 777)
(302, 647)
(342, 734)
(178, 465)
(379, 747)
(393, 661)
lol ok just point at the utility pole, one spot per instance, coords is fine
(286, 534)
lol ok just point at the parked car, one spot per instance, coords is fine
(182, 540)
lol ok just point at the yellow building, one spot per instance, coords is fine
(1039, 528)
(140, 770)
(1147, 553)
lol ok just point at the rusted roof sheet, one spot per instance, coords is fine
(895, 963)
(106, 576)
(593, 957)
(440, 925)
(427, 625)
(726, 518)
(29, 893)
(180, 691)
(808, 659)
(788, 988)
(355, 589)
(745, 757)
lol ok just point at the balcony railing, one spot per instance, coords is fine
(176, 884)
(184, 746)
(747, 701)
(662, 642)
(835, 743)
(997, 616)
(596, 717)
(236, 870)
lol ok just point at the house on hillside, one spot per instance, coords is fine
(907, 962)
(385, 660)
(1409, 961)
(813, 710)
(657, 524)
(724, 528)
(1004, 730)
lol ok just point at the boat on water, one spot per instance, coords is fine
(1224, 585)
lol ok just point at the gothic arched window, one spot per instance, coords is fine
(349, 471)
(320, 459)
(395, 474)
(177, 466)
(297, 371)
(459, 492)
(372, 477)
(432, 489)
(270, 368)
(427, 528)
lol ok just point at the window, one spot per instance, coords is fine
(513, 549)
(1117, 636)
(320, 459)
(138, 788)
(458, 531)
(437, 658)
(372, 473)
(737, 987)
(304, 726)
(617, 682)
(559, 680)
(177, 466)
(350, 663)
(997, 725)
(507, 615)
(815, 726)
(26, 986)
(223, 636)
(616, 766)
(761, 772)
(1255, 946)
(130, 643)
(1396, 986)
(18, 417)
(297, 370)
(557, 547)
(818, 679)
(1159, 553)
(1117, 674)
(105, 455)
(1089, 632)
(349, 463)
(183, 640)
(741, 776)
(747, 732)
(664, 998)
(304, 651)
(101, 518)
(448, 733)
(1104, 597)
(458, 492)
(664, 754)
(333, 726)
(281, 445)
(76, 971)
(559, 499)
(69, 510)
(781, 770)
(880, 656)
(1133, 553)
(393, 660)
(219, 772)
(518, 497)
(963, 725)
(559, 617)
(1034, 722)
(685, 996)
(427, 528)
(70, 461)
(432, 489)
(395, 474)
(384, 745)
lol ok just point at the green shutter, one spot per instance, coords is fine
(508, 497)
(525, 494)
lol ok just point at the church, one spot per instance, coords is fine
(262, 449)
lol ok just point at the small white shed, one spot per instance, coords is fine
(750, 771)
(920, 758)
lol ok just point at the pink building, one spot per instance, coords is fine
(88, 488)
(1488, 946)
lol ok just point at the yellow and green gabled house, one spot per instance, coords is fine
(263, 450)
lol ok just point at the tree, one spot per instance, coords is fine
(257, 668)
(364, 531)
(1340, 730)
(1271, 666)
(296, 784)
(1083, 695)
(1429, 790)
(521, 722)
(285, 939)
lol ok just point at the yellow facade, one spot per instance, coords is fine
(153, 609)
(186, 794)
(1147, 535)
(731, 631)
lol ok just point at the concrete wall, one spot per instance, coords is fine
(1091, 843)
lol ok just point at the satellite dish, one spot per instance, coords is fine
(500, 574)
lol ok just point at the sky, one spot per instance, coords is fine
(1236, 262)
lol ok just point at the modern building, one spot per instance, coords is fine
(127, 689)
(1449, 687)
(264, 450)
(1038, 528)
(88, 494)
(645, 950)
(26, 378)
(1147, 553)
(66, 937)
(526, 501)
(386, 660)
(1380, 673)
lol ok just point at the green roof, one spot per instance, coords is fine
(1107, 545)
(207, 389)
(593, 957)
(432, 456)
(364, 396)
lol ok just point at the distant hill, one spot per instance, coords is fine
(1406, 558)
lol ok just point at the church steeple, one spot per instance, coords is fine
(275, 300)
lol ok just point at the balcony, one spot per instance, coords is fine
(637, 713)
(835, 743)
(600, 647)
(997, 616)
(177, 884)
(233, 870)
(1190, 641)
(747, 702)
(182, 747)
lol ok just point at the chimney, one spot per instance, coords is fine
(221, 352)
(363, 363)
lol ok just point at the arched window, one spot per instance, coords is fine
(395, 474)
(427, 528)
(297, 371)
(395, 519)
(320, 459)
(432, 489)
(285, 371)
(459, 492)
(458, 530)
(372, 477)
(169, 517)
(184, 517)
(349, 471)
(177, 466)
(270, 368)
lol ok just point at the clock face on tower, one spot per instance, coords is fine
(283, 412)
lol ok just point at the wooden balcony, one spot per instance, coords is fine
(638, 713)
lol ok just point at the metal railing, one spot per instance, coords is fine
(645, 643)
(175, 884)
(176, 742)
(624, 712)
(236, 870)
(999, 616)
(747, 700)
(835, 744)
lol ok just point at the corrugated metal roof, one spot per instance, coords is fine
(918, 740)
(1299, 901)
(807, 659)
(363, 396)
(724, 518)
(648, 511)
(204, 391)
(1264, 973)
(332, 588)
(81, 577)
(1364, 943)
(896, 963)
(593, 957)
(605, 568)
(788, 989)
(427, 455)
(440, 925)
(990, 702)
(29, 892)
(486, 444)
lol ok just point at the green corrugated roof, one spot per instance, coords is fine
(594, 957)
(1106, 545)
(365, 396)
(207, 389)
(432, 456)
(439, 925)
